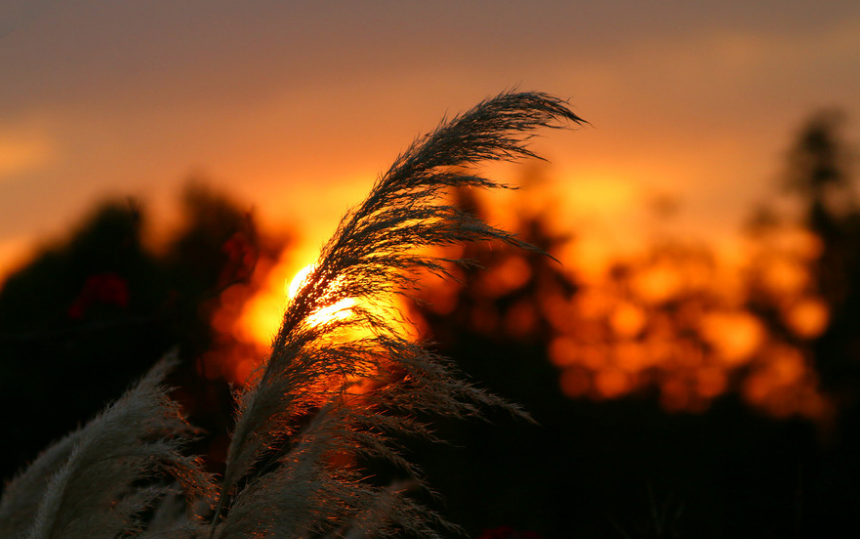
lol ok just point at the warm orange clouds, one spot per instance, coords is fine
(24, 148)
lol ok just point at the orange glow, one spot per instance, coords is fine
(563, 351)
(658, 284)
(261, 315)
(602, 189)
(14, 253)
(244, 319)
(611, 383)
(244, 369)
(735, 336)
(593, 303)
(594, 356)
(756, 388)
(711, 382)
(807, 245)
(339, 311)
(444, 301)
(784, 384)
(627, 320)
(632, 357)
(511, 274)
(260, 319)
(593, 259)
(247, 316)
(558, 312)
(25, 150)
(677, 321)
(786, 366)
(785, 277)
(808, 318)
(299, 281)
(673, 320)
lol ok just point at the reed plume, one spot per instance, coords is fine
(343, 382)
(100, 480)
(373, 255)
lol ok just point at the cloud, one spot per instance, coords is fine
(24, 148)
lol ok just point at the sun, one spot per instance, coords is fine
(298, 282)
(341, 310)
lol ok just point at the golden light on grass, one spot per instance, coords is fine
(299, 280)
(338, 311)
(251, 313)
(260, 314)
(253, 320)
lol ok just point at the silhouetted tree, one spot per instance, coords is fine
(820, 175)
(92, 312)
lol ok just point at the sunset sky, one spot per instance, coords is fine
(295, 107)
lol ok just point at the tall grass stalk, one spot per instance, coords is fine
(335, 391)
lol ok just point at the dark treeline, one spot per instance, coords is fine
(93, 312)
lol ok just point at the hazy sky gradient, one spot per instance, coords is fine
(296, 106)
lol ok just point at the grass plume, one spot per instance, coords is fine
(100, 480)
(334, 390)
(371, 256)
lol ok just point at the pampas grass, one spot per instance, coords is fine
(343, 383)
(100, 480)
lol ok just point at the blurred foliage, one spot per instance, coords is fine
(676, 397)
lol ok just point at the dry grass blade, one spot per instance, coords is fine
(23, 494)
(314, 363)
(99, 480)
